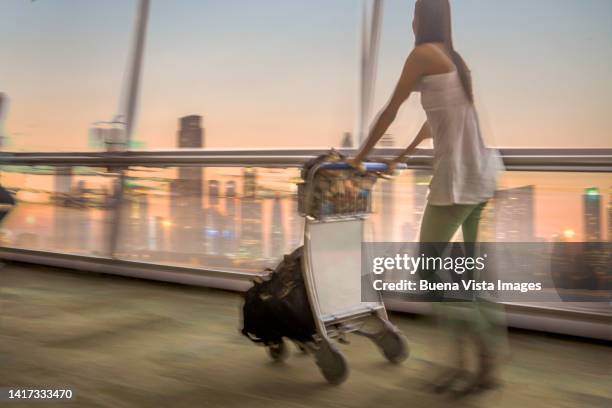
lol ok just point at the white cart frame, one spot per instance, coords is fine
(333, 278)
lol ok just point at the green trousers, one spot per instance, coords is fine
(440, 223)
(483, 319)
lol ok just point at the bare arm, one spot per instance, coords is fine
(424, 134)
(411, 73)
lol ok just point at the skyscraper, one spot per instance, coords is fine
(249, 186)
(230, 234)
(191, 133)
(251, 233)
(213, 191)
(186, 193)
(592, 214)
(213, 220)
(230, 188)
(514, 214)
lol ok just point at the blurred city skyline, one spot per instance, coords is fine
(284, 74)
(528, 206)
(240, 215)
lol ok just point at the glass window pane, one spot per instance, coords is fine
(212, 218)
(59, 209)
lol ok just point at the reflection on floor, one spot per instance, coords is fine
(120, 342)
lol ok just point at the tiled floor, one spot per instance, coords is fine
(120, 342)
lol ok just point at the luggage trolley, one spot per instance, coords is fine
(333, 236)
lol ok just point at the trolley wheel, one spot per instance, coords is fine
(332, 363)
(393, 344)
(278, 351)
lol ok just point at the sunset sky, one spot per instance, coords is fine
(279, 73)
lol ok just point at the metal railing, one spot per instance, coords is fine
(574, 160)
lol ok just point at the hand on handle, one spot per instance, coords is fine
(357, 164)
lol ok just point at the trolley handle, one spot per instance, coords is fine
(369, 166)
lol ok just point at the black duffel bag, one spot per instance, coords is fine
(277, 306)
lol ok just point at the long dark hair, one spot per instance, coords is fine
(434, 25)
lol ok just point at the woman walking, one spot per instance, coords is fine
(464, 170)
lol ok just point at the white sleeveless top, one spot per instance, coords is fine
(464, 169)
